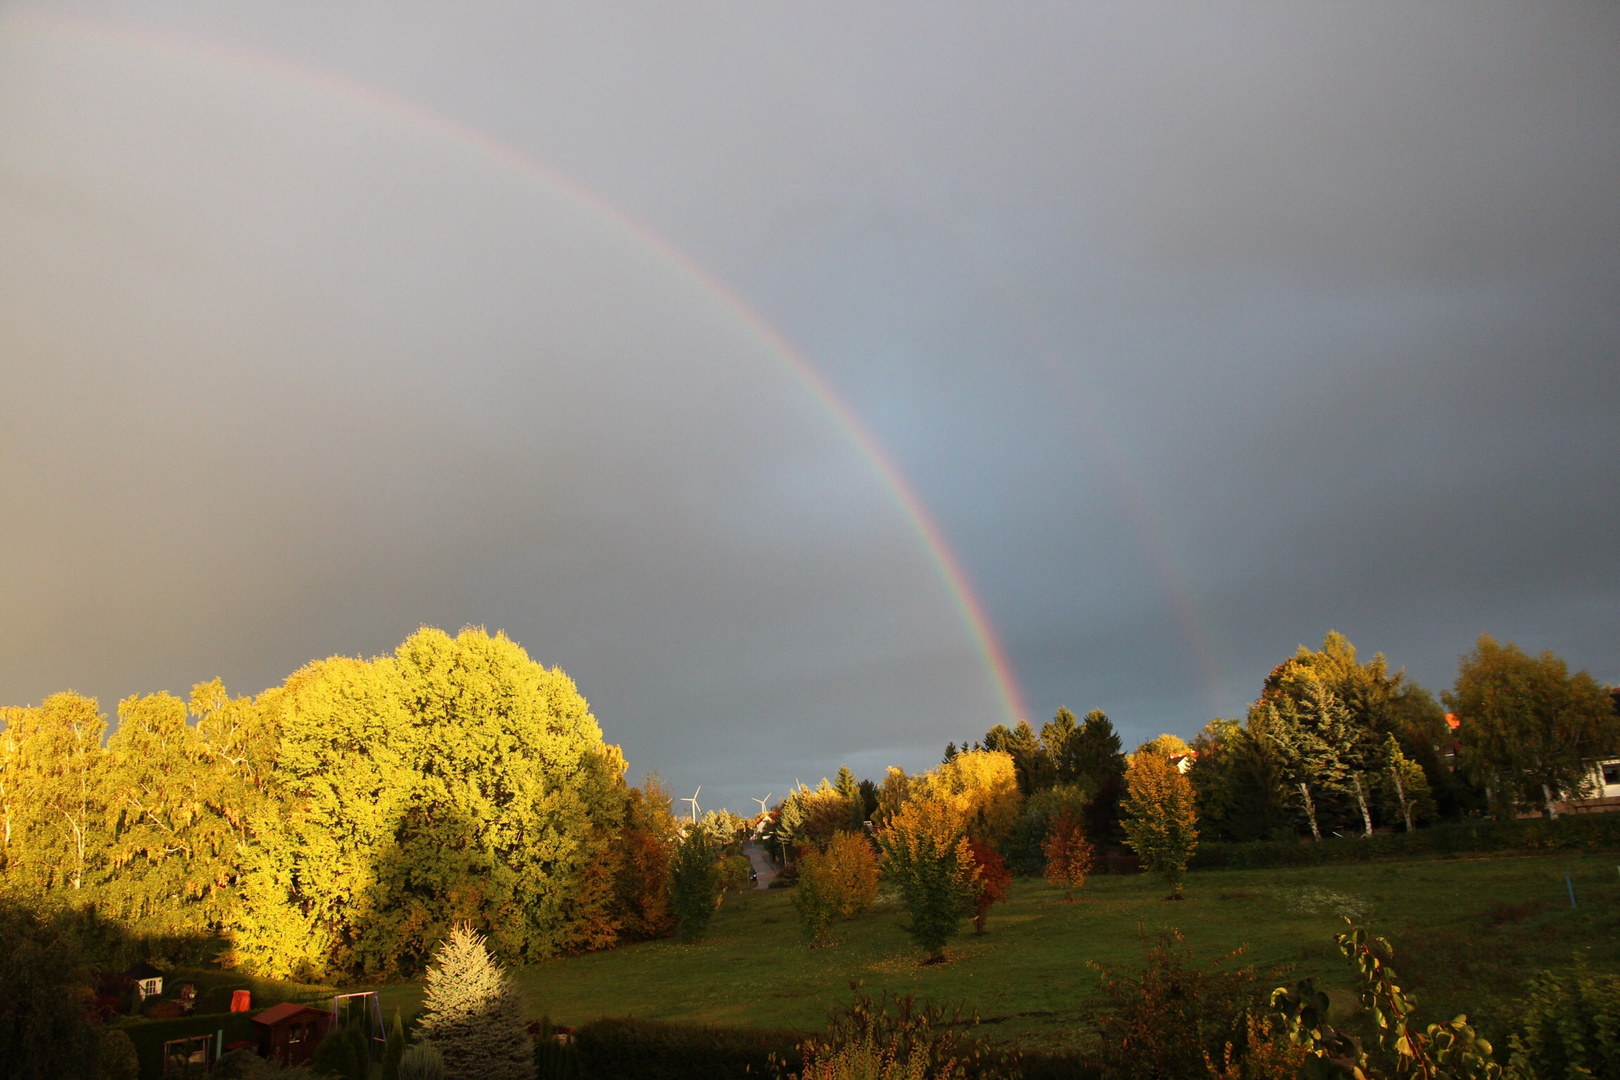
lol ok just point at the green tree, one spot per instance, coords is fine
(926, 853)
(1376, 703)
(849, 788)
(1160, 819)
(44, 1032)
(1527, 726)
(1093, 757)
(1325, 754)
(694, 885)
(473, 1012)
(1238, 780)
(1055, 736)
(1406, 788)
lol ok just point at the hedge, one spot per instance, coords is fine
(150, 1035)
(626, 1049)
(1572, 832)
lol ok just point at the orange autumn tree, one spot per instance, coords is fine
(1068, 852)
(994, 881)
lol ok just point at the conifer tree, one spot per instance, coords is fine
(396, 1049)
(473, 1013)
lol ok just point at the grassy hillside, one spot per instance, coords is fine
(1466, 932)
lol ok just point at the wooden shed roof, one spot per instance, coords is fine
(275, 1014)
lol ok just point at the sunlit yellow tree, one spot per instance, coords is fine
(56, 836)
(979, 788)
(456, 780)
(174, 852)
(927, 855)
(1160, 821)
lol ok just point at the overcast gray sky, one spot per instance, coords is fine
(1197, 331)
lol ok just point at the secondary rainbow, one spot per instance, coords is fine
(911, 505)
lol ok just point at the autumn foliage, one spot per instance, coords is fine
(836, 884)
(994, 880)
(1068, 852)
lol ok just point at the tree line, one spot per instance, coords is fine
(339, 824)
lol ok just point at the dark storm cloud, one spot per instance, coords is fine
(1202, 331)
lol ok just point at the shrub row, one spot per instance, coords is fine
(1579, 832)
(150, 1035)
(627, 1049)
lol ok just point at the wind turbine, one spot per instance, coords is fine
(759, 828)
(693, 801)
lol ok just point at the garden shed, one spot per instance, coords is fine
(289, 1032)
(148, 980)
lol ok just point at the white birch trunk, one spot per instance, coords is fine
(1310, 809)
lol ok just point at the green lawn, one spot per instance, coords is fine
(1466, 933)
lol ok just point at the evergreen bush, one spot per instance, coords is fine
(555, 1057)
(422, 1061)
(473, 1014)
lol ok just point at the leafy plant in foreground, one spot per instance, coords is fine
(1571, 1027)
(898, 1038)
(1174, 1016)
(1444, 1051)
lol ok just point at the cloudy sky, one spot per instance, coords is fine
(772, 368)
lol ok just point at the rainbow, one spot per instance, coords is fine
(943, 560)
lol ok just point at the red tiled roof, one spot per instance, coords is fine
(275, 1014)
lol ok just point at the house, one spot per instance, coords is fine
(289, 1032)
(1602, 789)
(148, 980)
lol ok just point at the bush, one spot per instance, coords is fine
(838, 883)
(118, 1058)
(340, 1054)
(1571, 1027)
(734, 873)
(898, 1038)
(623, 1049)
(815, 901)
(555, 1055)
(1166, 1019)
(422, 1061)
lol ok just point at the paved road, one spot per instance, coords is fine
(762, 864)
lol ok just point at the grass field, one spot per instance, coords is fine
(1466, 933)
